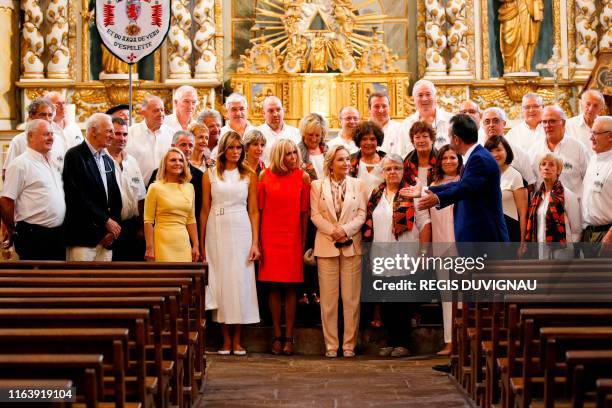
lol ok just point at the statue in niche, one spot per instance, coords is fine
(112, 64)
(520, 22)
(318, 57)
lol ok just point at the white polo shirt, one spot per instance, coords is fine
(441, 123)
(523, 136)
(227, 128)
(287, 132)
(575, 161)
(19, 145)
(577, 128)
(147, 147)
(131, 185)
(396, 139)
(35, 184)
(597, 193)
(340, 141)
(72, 134)
(173, 123)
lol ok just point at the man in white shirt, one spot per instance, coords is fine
(395, 140)
(493, 123)
(39, 108)
(349, 118)
(579, 127)
(275, 128)
(32, 203)
(69, 131)
(185, 102)
(527, 131)
(574, 154)
(149, 140)
(597, 194)
(427, 110)
(130, 246)
(236, 111)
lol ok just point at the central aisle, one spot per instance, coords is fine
(263, 380)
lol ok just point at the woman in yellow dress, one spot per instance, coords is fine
(169, 214)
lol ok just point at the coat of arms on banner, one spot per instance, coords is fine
(132, 29)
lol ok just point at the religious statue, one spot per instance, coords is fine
(112, 64)
(520, 22)
(318, 54)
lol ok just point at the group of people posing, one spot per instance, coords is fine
(251, 201)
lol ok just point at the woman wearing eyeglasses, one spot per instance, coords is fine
(390, 217)
(338, 207)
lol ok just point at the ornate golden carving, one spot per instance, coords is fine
(484, 19)
(470, 35)
(449, 97)
(86, 20)
(520, 23)
(557, 21)
(571, 29)
(72, 40)
(261, 59)
(517, 86)
(157, 67)
(33, 93)
(421, 38)
(377, 57)
(219, 41)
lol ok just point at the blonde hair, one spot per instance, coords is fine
(226, 140)
(197, 126)
(554, 158)
(185, 177)
(277, 156)
(311, 121)
(329, 158)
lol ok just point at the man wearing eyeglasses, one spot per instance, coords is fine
(579, 127)
(597, 194)
(574, 154)
(527, 131)
(62, 127)
(349, 118)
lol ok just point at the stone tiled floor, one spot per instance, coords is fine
(263, 380)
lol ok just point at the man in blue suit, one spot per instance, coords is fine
(479, 216)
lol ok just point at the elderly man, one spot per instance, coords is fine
(93, 197)
(471, 108)
(32, 203)
(185, 142)
(150, 139)
(493, 123)
(212, 120)
(395, 139)
(120, 111)
(236, 111)
(69, 131)
(574, 154)
(427, 110)
(527, 131)
(40, 108)
(185, 102)
(349, 118)
(130, 245)
(597, 194)
(275, 128)
(579, 127)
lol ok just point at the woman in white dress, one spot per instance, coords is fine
(514, 192)
(230, 241)
(390, 217)
(554, 219)
(447, 169)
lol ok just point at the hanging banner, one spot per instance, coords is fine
(132, 29)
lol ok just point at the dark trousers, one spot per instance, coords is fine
(130, 246)
(397, 317)
(592, 238)
(36, 243)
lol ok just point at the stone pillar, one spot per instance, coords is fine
(204, 39)
(179, 66)
(32, 43)
(605, 18)
(586, 37)
(456, 14)
(435, 22)
(8, 70)
(57, 39)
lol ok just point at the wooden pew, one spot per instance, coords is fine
(604, 393)
(41, 383)
(84, 370)
(109, 342)
(582, 369)
(135, 320)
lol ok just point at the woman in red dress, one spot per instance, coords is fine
(284, 191)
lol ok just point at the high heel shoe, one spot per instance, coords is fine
(315, 298)
(288, 349)
(303, 301)
(277, 345)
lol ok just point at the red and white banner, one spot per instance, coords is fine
(132, 29)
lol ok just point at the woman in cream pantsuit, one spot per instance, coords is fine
(338, 209)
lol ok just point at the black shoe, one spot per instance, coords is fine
(443, 368)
